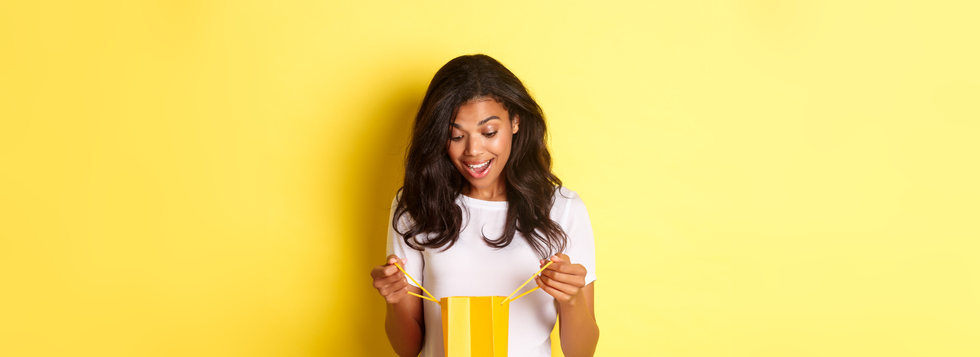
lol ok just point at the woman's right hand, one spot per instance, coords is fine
(389, 281)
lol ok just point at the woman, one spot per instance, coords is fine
(478, 207)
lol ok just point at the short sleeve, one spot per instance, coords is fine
(396, 245)
(578, 228)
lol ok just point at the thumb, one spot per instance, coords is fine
(560, 258)
(392, 259)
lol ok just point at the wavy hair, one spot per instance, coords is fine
(432, 183)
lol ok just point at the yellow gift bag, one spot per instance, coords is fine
(475, 326)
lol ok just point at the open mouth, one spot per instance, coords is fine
(479, 170)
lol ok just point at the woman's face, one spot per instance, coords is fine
(480, 143)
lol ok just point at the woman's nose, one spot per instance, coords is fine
(474, 146)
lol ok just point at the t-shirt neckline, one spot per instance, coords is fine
(470, 201)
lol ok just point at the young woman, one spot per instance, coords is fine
(480, 212)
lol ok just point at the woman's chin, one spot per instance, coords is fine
(481, 183)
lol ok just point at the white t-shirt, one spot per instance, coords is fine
(473, 268)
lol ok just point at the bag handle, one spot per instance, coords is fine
(525, 283)
(433, 298)
(508, 299)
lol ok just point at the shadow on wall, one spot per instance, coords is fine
(374, 173)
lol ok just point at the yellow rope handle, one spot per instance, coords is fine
(433, 298)
(424, 297)
(526, 292)
(525, 283)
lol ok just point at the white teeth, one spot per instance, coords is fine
(480, 166)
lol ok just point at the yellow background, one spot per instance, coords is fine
(765, 178)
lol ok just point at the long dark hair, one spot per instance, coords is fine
(432, 183)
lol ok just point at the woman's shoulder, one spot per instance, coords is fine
(566, 199)
(394, 201)
(563, 192)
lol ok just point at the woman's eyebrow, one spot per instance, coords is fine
(484, 121)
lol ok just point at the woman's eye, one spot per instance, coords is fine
(456, 138)
(490, 134)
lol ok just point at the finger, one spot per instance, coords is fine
(557, 294)
(384, 281)
(392, 259)
(391, 279)
(383, 271)
(563, 287)
(389, 270)
(396, 296)
(571, 279)
(378, 272)
(567, 268)
(393, 287)
(560, 257)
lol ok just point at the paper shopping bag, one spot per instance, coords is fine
(475, 326)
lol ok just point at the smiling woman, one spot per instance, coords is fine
(476, 149)
(480, 210)
(460, 102)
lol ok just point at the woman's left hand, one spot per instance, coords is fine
(562, 279)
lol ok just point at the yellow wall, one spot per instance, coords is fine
(765, 178)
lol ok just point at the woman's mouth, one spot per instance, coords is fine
(479, 170)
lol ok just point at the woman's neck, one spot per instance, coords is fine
(493, 193)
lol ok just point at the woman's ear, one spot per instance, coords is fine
(515, 124)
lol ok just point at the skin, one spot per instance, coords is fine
(404, 323)
(576, 304)
(483, 130)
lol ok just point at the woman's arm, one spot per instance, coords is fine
(576, 324)
(405, 326)
(576, 305)
(404, 323)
